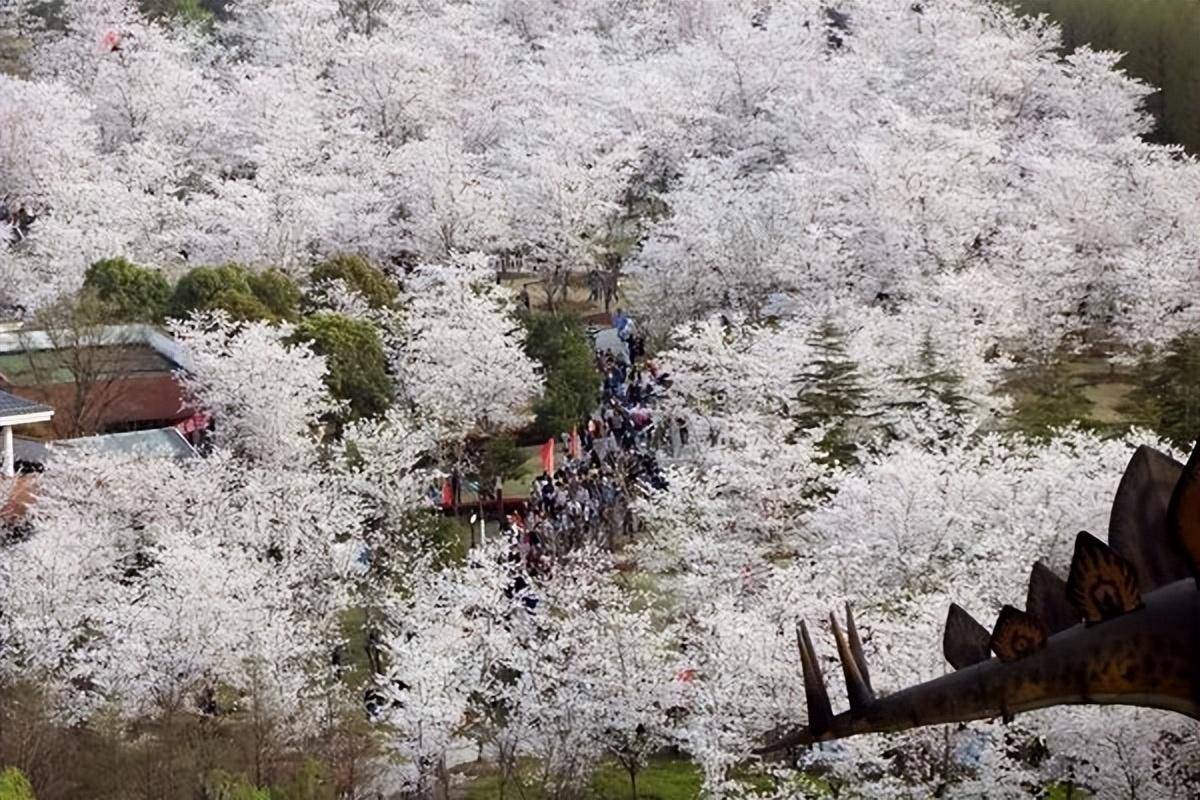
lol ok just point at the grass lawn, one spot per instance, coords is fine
(666, 779)
(1088, 390)
(662, 779)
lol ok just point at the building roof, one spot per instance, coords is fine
(161, 443)
(46, 367)
(13, 406)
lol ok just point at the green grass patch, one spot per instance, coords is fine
(662, 779)
(1087, 391)
(1065, 791)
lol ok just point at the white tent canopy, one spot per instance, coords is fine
(16, 411)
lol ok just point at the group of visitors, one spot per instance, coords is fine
(611, 452)
(627, 331)
(602, 286)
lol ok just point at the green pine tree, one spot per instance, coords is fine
(832, 396)
(932, 388)
(1168, 394)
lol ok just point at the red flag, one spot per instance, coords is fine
(548, 456)
(576, 450)
(447, 494)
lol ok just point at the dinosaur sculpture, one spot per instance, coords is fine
(1124, 628)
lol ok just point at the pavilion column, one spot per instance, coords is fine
(8, 469)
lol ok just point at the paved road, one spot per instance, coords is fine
(607, 341)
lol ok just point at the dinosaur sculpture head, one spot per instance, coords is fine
(1123, 628)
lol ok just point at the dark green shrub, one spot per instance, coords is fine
(270, 295)
(357, 365)
(14, 785)
(1167, 397)
(360, 275)
(277, 292)
(241, 306)
(559, 343)
(200, 289)
(136, 294)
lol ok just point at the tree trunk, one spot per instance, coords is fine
(444, 778)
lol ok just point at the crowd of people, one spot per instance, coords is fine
(602, 286)
(608, 456)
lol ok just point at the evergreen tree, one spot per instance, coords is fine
(560, 345)
(1167, 397)
(357, 365)
(933, 396)
(832, 395)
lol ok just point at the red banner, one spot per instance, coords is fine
(548, 456)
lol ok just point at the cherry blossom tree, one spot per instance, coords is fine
(932, 184)
(904, 534)
(266, 396)
(563, 669)
(159, 597)
(450, 635)
(460, 356)
(214, 586)
(596, 676)
(871, 193)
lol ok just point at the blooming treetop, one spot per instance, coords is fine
(150, 585)
(147, 596)
(904, 534)
(941, 154)
(265, 395)
(460, 358)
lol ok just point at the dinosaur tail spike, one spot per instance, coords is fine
(1183, 512)
(820, 713)
(1047, 599)
(1017, 634)
(965, 641)
(857, 688)
(1102, 584)
(856, 648)
(1138, 525)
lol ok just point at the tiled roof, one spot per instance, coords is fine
(13, 406)
(162, 443)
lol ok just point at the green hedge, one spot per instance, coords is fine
(14, 785)
(360, 275)
(136, 294)
(357, 365)
(270, 295)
